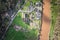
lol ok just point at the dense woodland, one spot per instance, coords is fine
(6, 7)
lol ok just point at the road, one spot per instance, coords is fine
(45, 20)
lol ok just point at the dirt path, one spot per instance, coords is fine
(45, 20)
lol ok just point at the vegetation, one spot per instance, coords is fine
(18, 21)
(28, 3)
(54, 14)
(12, 34)
(5, 6)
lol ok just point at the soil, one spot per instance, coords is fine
(45, 20)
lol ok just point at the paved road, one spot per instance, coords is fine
(45, 20)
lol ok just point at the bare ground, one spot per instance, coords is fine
(45, 20)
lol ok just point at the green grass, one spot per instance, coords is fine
(34, 1)
(18, 21)
(53, 17)
(12, 34)
(52, 24)
(26, 5)
(20, 35)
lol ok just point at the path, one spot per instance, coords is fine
(45, 20)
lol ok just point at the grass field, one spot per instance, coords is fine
(12, 34)
(20, 35)
(53, 19)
